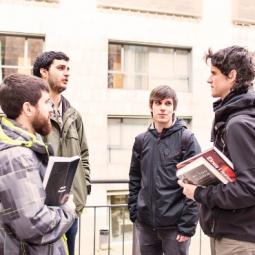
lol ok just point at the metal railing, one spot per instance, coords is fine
(109, 208)
(108, 231)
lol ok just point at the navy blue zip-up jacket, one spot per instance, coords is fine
(155, 198)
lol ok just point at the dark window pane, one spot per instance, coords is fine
(35, 48)
(115, 81)
(12, 50)
(114, 59)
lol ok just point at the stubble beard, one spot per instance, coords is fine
(55, 88)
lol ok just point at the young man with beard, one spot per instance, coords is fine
(27, 225)
(165, 220)
(68, 135)
(227, 210)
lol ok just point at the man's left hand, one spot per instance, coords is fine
(181, 238)
(188, 189)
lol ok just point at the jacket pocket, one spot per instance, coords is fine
(72, 134)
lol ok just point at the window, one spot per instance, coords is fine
(18, 53)
(144, 67)
(121, 134)
(243, 11)
(122, 131)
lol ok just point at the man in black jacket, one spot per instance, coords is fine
(164, 218)
(227, 210)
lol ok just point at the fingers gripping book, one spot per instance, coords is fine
(58, 179)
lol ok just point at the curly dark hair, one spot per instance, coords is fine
(234, 58)
(46, 59)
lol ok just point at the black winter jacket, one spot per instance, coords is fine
(229, 210)
(155, 198)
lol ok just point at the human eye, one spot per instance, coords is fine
(61, 68)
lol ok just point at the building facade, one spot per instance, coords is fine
(120, 50)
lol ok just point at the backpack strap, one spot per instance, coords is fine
(186, 136)
(141, 141)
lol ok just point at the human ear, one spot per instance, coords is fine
(232, 75)
(44, 73)
(27, 108)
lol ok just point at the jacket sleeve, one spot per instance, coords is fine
(84, 150)
(22, 201)
(240, 137)
(189, 218)
(134, 179)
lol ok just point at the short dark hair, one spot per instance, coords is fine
(162, 92)
(46, 59)
(16, 89)
(234, 58)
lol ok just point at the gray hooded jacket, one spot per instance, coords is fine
(27, 225)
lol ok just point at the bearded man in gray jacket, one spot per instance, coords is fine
(27, 224)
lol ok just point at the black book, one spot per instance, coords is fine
(58, 179)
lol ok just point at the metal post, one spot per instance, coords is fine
(123, 229)
(109, 238)
(94, 244)
(135, 247)
(79, 235)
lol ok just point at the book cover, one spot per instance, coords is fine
(206, 168)
(58, 178)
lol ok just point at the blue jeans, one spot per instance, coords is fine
(70, 235)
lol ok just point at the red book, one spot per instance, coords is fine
(208, 167)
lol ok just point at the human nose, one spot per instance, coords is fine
(162, 107)
(67, 72)
(209, 80)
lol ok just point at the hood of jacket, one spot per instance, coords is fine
(177, 125)
(12, 135)
(232, 105)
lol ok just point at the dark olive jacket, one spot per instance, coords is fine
(155, 198)
(228, 210)
(70, 140)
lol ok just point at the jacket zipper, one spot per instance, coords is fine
(153, 190)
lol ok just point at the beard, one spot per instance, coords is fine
(41, 125)
(56, 88)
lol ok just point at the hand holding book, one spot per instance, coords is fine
(188, 189)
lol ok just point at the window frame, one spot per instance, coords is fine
(26, 37)
(157, 46)
(121, 146)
